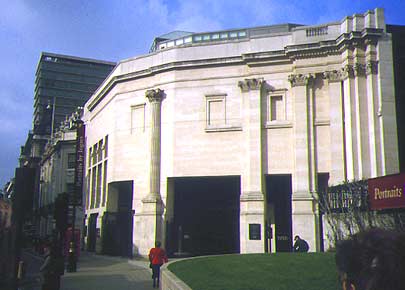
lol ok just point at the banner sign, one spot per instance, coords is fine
(80, 139)
(387, 192)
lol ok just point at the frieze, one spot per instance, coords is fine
(250, 84)
(372, 68)
(300, 79)
(156, 95)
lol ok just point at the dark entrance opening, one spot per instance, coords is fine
(323, 179)
(205, 215)
(279, 191)
(116, 236)
(92, 233)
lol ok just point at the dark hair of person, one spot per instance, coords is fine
(372, 260)
(158, 244)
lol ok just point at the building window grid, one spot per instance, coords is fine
(97, 175)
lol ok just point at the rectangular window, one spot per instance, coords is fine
(98, 192)
(88, 189)
(90, 156)
(215, 109)
(106, 147)
(93, 186)
(100, 150)
(94, 155)
(138, 118)
(276, 107)
(71, 161)
(104, 183)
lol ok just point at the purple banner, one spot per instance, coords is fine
(80, 143)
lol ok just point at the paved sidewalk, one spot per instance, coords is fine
(96, 272)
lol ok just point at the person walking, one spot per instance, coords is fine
(50, 272)
(157, 257)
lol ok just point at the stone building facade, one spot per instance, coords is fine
(219, 142)
(57, 175)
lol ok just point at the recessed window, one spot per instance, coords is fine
(138, 118)
(276, 107)
(215, 106)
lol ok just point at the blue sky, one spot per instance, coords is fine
(115, 30)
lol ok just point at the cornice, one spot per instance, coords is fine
(288, 55)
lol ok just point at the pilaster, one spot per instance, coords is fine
(363, 149)
(350, 123)
(338, 162)
(371, 71)
(304, 219)
(304, 172)
(252, 201)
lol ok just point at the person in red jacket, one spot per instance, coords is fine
(157, 257)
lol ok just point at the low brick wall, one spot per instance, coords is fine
(169, 281)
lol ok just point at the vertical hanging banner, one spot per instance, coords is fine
(387, 192)
(80, 138)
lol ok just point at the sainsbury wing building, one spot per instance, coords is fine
(219, 142)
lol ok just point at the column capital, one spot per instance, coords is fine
(348, 71)
(297, 80)
(359, 69)
(372, 67)
(155, 95)
(333, 76)
(250, 84)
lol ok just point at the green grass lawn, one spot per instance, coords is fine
(281, 271)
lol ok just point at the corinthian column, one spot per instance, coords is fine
(155, 98)
(148, 222)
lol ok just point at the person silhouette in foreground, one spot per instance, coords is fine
(372, 260)
(50, 272)
(300, 245)
(157, 257)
